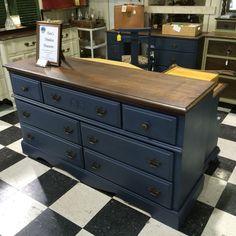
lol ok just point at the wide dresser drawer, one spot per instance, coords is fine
(53, 145)
(156, 161)
(150, 124)
(26, 87)
(153, 188)
(49, 121)
(83, 104)
(220, 64)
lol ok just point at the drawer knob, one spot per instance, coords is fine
(145, 125)
(101, 111)
(30, 137)
(66, 50)
(68, 130)
(70, 154)
(174, 45)
(56, 97)
(92, 140)
(26, 114)
(154, 163)
(24, 89)
(153, 192)
(30, 45)
(95, 165)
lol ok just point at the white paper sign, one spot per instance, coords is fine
(177, 28)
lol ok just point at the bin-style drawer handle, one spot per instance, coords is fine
(24, 88)
(71, 155)
(154, 192)
(30, 45)
(92, 140)
(26, 114)
(95, 165)
(145, 125)
(56, 97)
(100, 111)
(30, 137)
(154, 163)
(68, 130)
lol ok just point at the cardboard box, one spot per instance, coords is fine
(182, 29)
(128, 16)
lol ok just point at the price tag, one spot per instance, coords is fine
(41, 62)
(124, 8)
(177, 28)
(118, 37)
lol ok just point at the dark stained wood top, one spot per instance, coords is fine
(223, 35)
(138, 87)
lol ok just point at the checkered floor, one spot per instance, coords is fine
(36, 199)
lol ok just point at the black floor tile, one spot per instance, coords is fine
(11, 118)
(4, 106)
(117, 219)
(49, 187)
(49, 223)
(9, 157)
(197, 219)
(228, 132)
(227, 201)
(221, 115)
(10, 135)
(225, 105)
(6, 191)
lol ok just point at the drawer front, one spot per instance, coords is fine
(49, 121)
(66, 34)
(82, 104)
(230, 91)
(222, 48)
(174, 44)
(151, 124)
(167, 58)
(225, 25)
(130, 178)
(52, 145)
(220, 64)
(154, 160)
(26, 87)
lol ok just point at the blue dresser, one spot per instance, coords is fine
(140, 135)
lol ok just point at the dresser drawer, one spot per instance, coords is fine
(221, 48)
(175, 44)
(167, 58)
(151, 124)
(26, 87)
(155, 189)
(83, 104)
(49, 121)
(220, 64)
(154, 160)
(52, 145)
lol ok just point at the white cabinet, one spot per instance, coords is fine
(19, 48)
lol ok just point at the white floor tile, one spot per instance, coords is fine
(18, 125)
(83, 232)
(16, 212)
(212, 190)
(16, 146)
(80, 204)
(232, 178)
(220, 224)
(7, 111)
(4, 125)
(224, 109)
(64, 173)
(1, 146)
(23, 172)
(227, 148)
(230, 119)
(154, 228)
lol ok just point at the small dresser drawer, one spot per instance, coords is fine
(151, 187)
(175, 44)
(26, 87)
(83, 104)
(154, 160)
(150, 124)
(51, 122)
(220, 64)
(221, 48)
(52, 145)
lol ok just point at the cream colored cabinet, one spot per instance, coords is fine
(19, 48)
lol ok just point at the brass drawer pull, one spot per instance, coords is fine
(56, 97)
(26, 114)
(70, 154)
(154, 163)
(145, 125)
(92, 140)
(95, 165)
(68, 130)
(154, 192)
(30, 137)
(101, 111)
(24, 89)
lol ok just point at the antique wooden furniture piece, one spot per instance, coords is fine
(141, 135)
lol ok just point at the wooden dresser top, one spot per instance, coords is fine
(152, 90)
